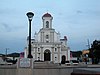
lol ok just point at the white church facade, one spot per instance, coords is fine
(47, 45)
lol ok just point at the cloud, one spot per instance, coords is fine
(5, 27)
(79, 11)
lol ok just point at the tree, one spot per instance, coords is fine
(95, 52)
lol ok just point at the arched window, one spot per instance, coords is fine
(55, 49)
(47, 24)
(55, 58)
(47, 36)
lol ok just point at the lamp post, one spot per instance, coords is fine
(30, 16)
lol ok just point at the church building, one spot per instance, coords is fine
(47, 45)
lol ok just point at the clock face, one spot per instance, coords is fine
(47, 24)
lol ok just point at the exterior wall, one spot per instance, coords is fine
(9, 71)
(56, 39)
(51, 71)
(26, 52)
(36, 71)
(53, 36)
(68, 54)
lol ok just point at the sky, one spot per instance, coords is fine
(79, 20)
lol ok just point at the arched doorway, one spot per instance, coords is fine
(47, 56)
(63, 59)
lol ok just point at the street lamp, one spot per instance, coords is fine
(30, 16)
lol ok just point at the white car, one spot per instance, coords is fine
(74, 62)
(2, 62)
(67, 62)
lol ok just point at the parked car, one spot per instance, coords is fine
(75, 62)
(11, 61)
(2, 62)
(67, 62)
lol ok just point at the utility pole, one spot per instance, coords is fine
(88, 43)
(6, 53)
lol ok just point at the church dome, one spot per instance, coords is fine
(47, 15)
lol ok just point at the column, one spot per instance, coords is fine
(43, 36)
(35, 53)
(52, 53)
(41, 53)
(53, 36)
(58, 54)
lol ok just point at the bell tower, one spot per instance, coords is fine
(47, 21)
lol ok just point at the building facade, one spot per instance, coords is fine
(47, 45)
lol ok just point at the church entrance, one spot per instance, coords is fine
(47, 54)
(63, 59)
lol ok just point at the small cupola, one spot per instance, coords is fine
(47, 15)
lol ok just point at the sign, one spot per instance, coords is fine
(25, 63)
(22, 55)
